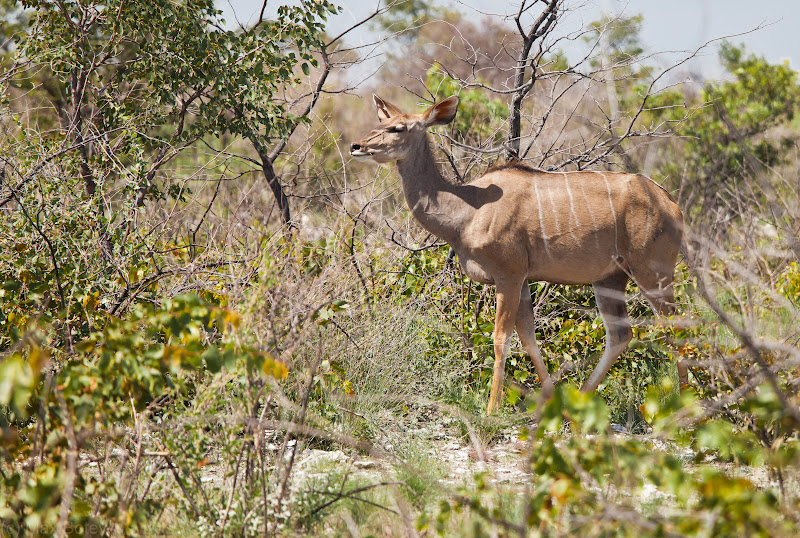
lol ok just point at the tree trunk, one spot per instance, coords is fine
(274, 183)
(78, 85)
(521, 89)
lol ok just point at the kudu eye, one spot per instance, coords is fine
(396, 129)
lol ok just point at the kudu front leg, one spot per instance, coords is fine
(507, 305)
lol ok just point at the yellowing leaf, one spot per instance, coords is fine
(274, 368)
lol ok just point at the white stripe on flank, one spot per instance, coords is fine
(631, 206)
(613, 214)
(591, 215)
(629, 211)
(541, 219)
(648, 216)
(630, 191)
(571, 208)
(555, 210)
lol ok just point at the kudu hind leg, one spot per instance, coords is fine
(507, 305)
(659, 290)
(610, 298)
(526, 329)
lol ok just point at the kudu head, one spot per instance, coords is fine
(398, 135)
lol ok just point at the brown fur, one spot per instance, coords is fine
(516, 224)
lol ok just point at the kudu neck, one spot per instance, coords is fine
(439, 206)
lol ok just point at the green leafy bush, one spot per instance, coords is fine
(591, 478)
(143, 366)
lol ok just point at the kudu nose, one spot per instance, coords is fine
(354, 147)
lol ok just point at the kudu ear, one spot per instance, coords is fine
(385, 109)
(441, 113)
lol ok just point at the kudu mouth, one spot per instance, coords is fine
(356, 150)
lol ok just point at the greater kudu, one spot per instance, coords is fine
(515, 224)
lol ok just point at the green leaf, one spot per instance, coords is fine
(17, 381)
(213, 359)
